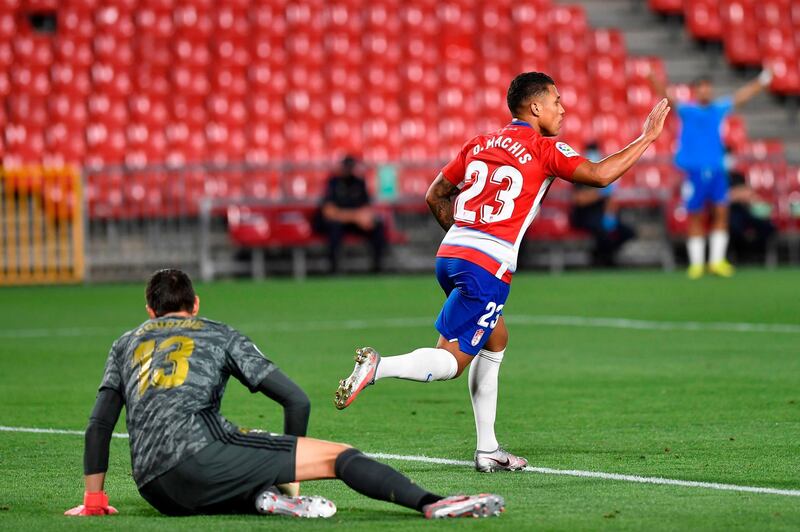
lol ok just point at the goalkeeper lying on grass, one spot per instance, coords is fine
(170, 373)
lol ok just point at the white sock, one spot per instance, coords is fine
(483, 376)
(424, 365)
(718, 245)
(696, 248)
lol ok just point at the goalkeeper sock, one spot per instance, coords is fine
(379, 481)
(483, 376)
(424, 365)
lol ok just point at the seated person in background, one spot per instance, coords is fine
(749, 224)
(595, 211)
(346, 209)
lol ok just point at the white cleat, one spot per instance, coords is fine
(309, 506)
(483, 505)
(367, 360)
(498, 460)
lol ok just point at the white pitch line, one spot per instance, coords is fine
(542, 470)
(603, 476)
(403, 323)
(54, 431)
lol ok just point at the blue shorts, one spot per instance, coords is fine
(475, 300)
(704, 186)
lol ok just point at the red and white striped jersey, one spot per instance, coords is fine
(503, 177)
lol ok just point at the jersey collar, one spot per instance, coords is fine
(518, 122)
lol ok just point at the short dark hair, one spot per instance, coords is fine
(526, 86)
(699, 80)
(169, 290)
(349, 161)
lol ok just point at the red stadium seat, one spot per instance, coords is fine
(28, 109)
(65, 143)
(76, 22)
(773, 13)
(155, 20)
(23, 142)
(667, 7)
(661, 179)
(734, 133)
(108, 109)
(105, 144)
(185, 144)
(116, 20)
(763, 150)
(741, 36)
(167, 80)
(703, 19)
(68, 109)
(8, 25)
(31, 50)
(778, 42)
(786, 72)
(608, 42)
(34, 80)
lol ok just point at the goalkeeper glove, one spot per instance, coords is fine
(94, 503)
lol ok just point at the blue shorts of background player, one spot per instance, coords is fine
(475, 300)
(703, 186)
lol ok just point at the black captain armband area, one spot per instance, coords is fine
(296, 405)
(105, 413)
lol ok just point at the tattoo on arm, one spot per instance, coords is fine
(440, 200)
(443, 212)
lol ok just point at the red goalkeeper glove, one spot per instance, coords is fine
(94, 503)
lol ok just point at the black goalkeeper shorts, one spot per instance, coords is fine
(223, 477)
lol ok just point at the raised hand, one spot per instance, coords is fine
(654, 123)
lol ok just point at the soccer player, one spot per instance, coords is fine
(170, 373)
(486, 198)
(700, 154)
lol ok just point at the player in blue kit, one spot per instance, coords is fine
(701, 154)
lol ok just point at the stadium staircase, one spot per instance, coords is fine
(729, 40)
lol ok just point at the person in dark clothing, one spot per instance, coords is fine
(749, 224)
(346, 209)
(595, 211)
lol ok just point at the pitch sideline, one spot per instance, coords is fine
(542, 470)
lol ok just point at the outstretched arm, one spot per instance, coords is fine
(440, 200)
(605, 172)
(660, 88)
(105, 414)
(747, 92)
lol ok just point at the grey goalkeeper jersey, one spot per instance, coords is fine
(172, 373)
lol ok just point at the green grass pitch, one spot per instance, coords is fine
(706, 404)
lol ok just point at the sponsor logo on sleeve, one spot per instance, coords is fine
(566, 149)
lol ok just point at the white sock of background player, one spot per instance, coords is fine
(424, 364)
(696, 249)
(717, 246)
(483, 377)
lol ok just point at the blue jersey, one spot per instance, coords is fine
(700, 145)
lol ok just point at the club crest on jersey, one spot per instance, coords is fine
(566, 149)
(477, 337)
